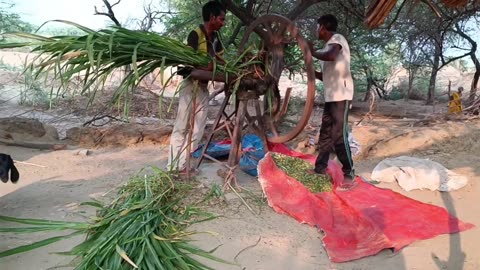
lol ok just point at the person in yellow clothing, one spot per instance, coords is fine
(455, 104)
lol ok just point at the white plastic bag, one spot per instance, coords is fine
(415, 173)
(355, 146)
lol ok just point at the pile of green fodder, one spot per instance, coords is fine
(143, 228)
(300, 170)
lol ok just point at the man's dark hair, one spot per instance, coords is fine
(212, 8)
(329, 22)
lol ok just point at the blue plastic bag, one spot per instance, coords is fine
(252, 152)
(216, 150)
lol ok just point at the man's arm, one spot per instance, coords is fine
(329, 53)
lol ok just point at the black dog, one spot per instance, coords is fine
(6, 165)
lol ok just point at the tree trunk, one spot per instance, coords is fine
(369, 88)
(411, 77)
(433, 79)
(476, 76)
(473, 56)
(233, 37)
(449, 89)
(368, 74)
(409, 90)
(473, 90)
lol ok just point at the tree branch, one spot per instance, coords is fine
(110, 13)
(118, 2)
(433, 7)
(467, 37)
(302, 7)
(269, 6)
(150, 18)
(444, 63)
(241, 13)
(234, 35)
(353, 9)
(397, 15)
(250, 5)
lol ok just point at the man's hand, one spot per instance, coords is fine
(220, 60)
(209, 67)
(329, 53)
(310, 46)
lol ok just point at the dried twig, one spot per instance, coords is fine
(374, 145)
(249, 247)
(475, 105)
(241, 198)
(101, 117)
(30, 164)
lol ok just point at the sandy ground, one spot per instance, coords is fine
(54, 183)
(275, 241)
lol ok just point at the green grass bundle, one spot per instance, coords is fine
(299, 169)
(144, 228)
(97, 54)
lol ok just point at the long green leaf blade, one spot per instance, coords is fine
(31, 221)
(124, 255)
(45, 242)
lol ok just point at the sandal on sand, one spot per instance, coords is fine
(312, 171)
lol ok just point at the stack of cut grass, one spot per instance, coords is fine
(143, 228)
(97, 54)
(299, 169)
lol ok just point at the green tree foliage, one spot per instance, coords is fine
(413, 36)
(59, 31)
(182, 17)
(11, 21)
(428, 38)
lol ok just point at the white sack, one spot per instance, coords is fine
(415, 173)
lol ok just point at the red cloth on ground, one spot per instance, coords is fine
(356, 223)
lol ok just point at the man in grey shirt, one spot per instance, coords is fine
(338, 88)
